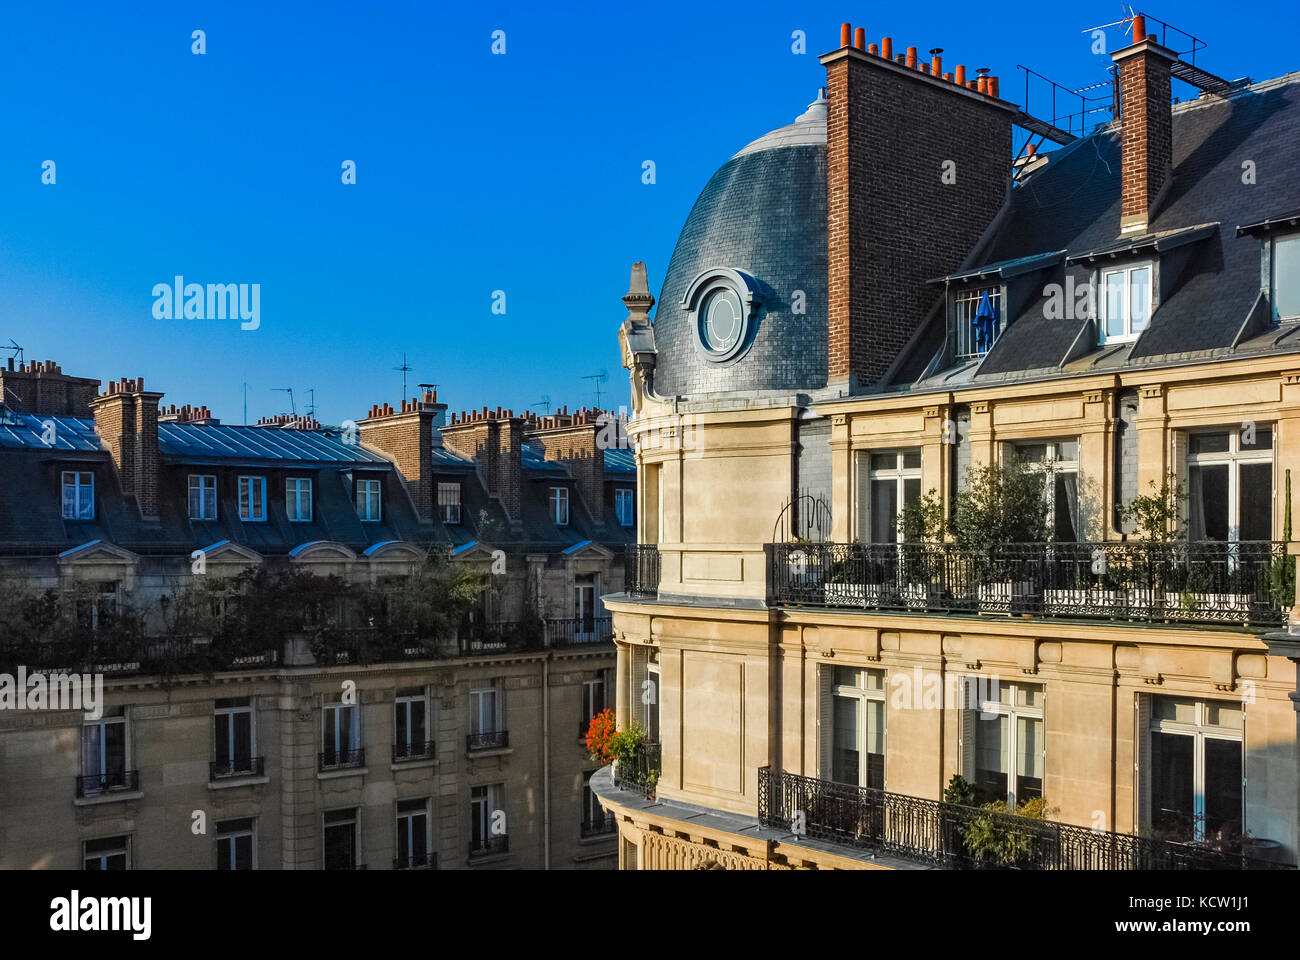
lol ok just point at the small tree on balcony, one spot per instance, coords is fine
(1000, 504)
(1156, 516)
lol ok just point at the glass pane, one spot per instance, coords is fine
(1255, 501)
(1224, 715)
(1179, 709)
(1139, 299)
(912, 460)
(1286, 277)
(244, 852)
(223, 853)
(340, 846)
(844, 747)
(1222, 787)
(991, 742)
(1028, 695)
(222, 737)
(243, 736)
(1068, 450)
(846, 677)
(1171, 784)
(1113, 303)
(875, 727)
(1207, 443)
(884, 461)
(1029, 751)
(1065, 505)
(875, 679)
(1263, 440)
(884, 511)
(1208, 502)
(1032, 452)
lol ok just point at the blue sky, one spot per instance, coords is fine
(476, 172)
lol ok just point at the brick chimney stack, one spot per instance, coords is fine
(917, 168)
(496, 439)
(1146, 127)
(42, 389)
(406, 437)
(579, 441)
(126, 419)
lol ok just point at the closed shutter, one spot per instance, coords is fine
(1178, 465)
(862, 505)
(825, 721)
(1142, 761)
(969, 715)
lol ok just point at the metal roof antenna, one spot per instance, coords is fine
(289, 390)
(405, 368)
(600, 378)
(544, 402)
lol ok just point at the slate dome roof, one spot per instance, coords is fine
(762, 214)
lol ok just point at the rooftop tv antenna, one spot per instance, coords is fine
(15, 350)
(289, 391)
(544, 402)
(405, 368)
(599, 378)
(311, 404)
(1127, 21)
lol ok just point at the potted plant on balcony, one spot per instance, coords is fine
(600, 734)
(1281, 574)
(922, 525)
(997, 515)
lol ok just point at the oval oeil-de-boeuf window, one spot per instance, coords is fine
(721, 320)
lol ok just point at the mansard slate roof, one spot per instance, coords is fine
(1072, 204)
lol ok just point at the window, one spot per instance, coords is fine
(560, 506)
(585, 613)
(595, 821)
(487, 821)
(893, 482)
(203, 497)
(1058, 462)
(78, 495)
(297, 499)
(721, 320)
(341, 736)
(368, 500)
(412, 834)
(340, 839)
(624, 509)
(486, 717)
(977, 321)
(1125, 302)
(858, 727)
(252, 498)
(109, 853)
(593, 702)
(1230, 485)
(233, 720)
(1009, 742)
(449, 502)
(236, 849)
(1196, 771)
(97, 606)
(411, 736)
(105, 755)
(1285, 273)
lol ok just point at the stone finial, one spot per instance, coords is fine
(639, 299)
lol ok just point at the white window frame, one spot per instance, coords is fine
(449, 502)
(593, 692)
(1234, 458)
(864, 695)
(899, 474)
(205, 486)
(478, 696)
(1200, 730)
(101, 769)
(252, 499)
(368, 493)
(331, 721)
(1052, 463)
(482, 808)
(124, 850)
(407, 828)
(1272, 276)
(355, 822)
(625, 506)
(1103, 301)
(965, 305)
(560, 499)
(1013, 712)
(83, 494)
(250, 831)
(402, 719)
(228, 713)
(295, 489)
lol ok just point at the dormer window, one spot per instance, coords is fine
(560, 506)
(1285, 274)
(1124, 302)
(203, 497)
(78, 495)
(977, 320)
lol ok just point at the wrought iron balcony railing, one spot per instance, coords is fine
(489, 846)
(641, 571)
(488, 740)
(239, 767)
(934, 832)
(600, 827)
(419, 861)
(641, 772)
(342, 759)
(404, 752)
(579, 631)
(1200, 582)
(97, 784)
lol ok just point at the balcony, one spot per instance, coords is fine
(501, 637)
(580, 631)
(420, 861)
(489, 847)
(241, 767)
(1202, 582)
(114, 781)
(408, 752)
(600, 827)
(641, 773)
(342, 759)
(937, 833)
(641, 571)
(487, 740)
